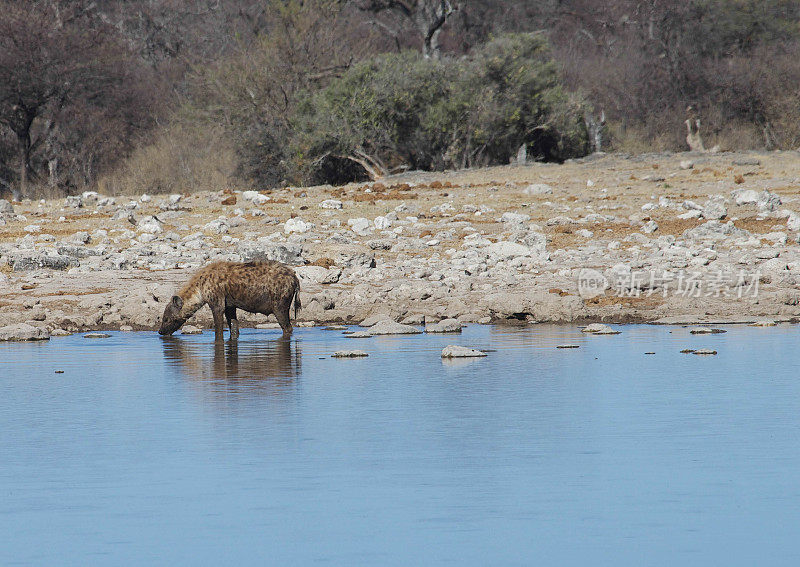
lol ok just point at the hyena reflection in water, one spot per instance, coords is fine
(257, 287)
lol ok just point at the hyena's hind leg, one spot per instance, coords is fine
(282, 315)
(233, 322)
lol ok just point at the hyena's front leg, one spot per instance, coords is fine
(233, 322)
(217, 311)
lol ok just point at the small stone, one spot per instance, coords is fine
(455, 351)
(763, 323)
(231, 200)
(687, 351)
(125, 328)
(349, 354)
(330, 204)
(686, 164)
(96, 336)
(568, 346)
(59, 333)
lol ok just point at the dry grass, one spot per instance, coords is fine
(179, 160)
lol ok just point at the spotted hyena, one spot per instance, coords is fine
(257, 287)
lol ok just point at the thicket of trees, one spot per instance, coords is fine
(178, 95)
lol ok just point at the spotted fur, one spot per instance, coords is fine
(257, 287)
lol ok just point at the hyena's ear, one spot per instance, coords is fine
(177, 301)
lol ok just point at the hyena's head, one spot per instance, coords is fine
(172, 320)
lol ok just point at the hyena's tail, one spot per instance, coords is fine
(297, 304)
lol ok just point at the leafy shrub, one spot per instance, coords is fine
(404, 111)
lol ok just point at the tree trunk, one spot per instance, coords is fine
(24, 141)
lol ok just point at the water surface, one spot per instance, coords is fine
(151, 451)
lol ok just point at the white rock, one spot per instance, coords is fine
(505, 250)
(297, 225)
(746, 197)
(219, 226)
(23, 332)
(687, 164)
(444, 326)
(330, 204)
(455, 351)
(599, 329)
(514, 218)
(359, 225)
(715, 209)
(382, 223)
(389, 327)
(650, 227)
(318, 274)
(793, 221)
(538, 189)
(151, 225)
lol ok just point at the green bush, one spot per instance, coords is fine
(404, 111)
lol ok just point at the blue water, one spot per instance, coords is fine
(148, 451)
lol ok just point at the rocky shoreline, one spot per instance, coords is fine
(683, 238)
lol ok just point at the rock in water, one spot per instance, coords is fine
(23, 332)
(389, 327)
(704, 351)
(706, 331)
(349, 354)
(455, 351)
(96, 336)
(599, 329)
(445, 326)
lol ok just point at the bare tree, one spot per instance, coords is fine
(57, 65)
(428, 17)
